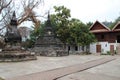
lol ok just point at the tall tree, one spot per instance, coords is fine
(61, 20)
(28, 12)
(4, 4)
(89, 24)
(115, 22)
(72, 31)
(80, 34)
(35, 33)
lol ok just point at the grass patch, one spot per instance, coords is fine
(107, 53)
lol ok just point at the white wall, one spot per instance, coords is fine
(105, 46)
(93, 48)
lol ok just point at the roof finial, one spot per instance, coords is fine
(14, 15)
(48, 15)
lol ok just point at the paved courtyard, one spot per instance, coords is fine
(107, 71)
(14, 69)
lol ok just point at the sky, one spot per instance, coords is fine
(86, 10)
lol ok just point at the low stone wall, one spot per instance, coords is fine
(16, 57)
(62, 53)
(49, 51)
(52, 53)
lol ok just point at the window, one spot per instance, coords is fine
(76, 48)
(102, 36)
(69, 48)
(118, 39)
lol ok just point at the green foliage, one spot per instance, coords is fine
(60, 21)
(108, 24)
(71, 31)
(115, 51)
(89, 24)
(34, 35)
(115, 22)
(80, 33)
(107, 53)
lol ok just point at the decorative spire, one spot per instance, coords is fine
(13, 20)
(14, 16)
(48, 20)
(48, 15)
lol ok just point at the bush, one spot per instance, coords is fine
(1, 79)
(108, 53)
(115, 51)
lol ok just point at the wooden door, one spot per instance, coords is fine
(98, 47)
(112, 48)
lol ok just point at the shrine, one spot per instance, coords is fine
(48, 44)
(13, 50)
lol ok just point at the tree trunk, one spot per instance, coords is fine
(87, 49)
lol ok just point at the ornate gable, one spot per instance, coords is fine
(99, 27)
(116, 27)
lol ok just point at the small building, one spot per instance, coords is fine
(25, 33)
(108, 41)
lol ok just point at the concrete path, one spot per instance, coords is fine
(107, 71)
(60, 72)
(14, 69)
